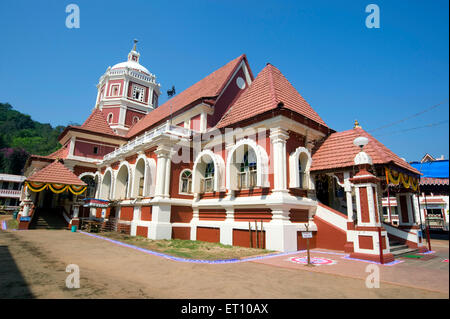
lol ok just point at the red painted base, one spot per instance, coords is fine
(348, 247)
(387, 258)
(24, 225)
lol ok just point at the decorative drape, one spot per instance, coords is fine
(397, 178)
(56, 188)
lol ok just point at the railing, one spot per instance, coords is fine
(247, 179)
(148, 137)
(135, 74)
(10, 192)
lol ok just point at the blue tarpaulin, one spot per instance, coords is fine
(436, 169)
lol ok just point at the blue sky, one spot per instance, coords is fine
(343, 69)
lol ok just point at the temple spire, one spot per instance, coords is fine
(134, 55)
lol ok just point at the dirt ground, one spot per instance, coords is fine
(33, 263)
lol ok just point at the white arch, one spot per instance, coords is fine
(149, 176)
(262, 164)
(219, 169)
(294, 174)
(98, 176)
(130, 180)
(86, 174)
(107, 193)
(91, 175)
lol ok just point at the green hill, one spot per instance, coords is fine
(21, 136)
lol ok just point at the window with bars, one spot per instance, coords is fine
(138, 93)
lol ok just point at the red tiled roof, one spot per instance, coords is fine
(61, 153)
(209, 87)
(433, 181)
(338, 151)
(55, 173)
(265, 93)
(96, 122)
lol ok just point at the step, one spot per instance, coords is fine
(398, 253)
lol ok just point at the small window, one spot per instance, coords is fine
(135, 119)
(95, 150)
(115, 90)
(138, 93)
(110, 118)
(186, 182)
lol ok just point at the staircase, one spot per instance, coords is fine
(45, 218)
(398, 249)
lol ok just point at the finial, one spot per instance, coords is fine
(135, 42)
(356, 124)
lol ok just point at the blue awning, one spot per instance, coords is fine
(436, 169)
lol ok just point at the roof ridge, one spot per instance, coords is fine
(207, 87)
(272, 87)
(239, 61)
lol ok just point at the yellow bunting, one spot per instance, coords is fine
(396, 178)
(75, 192)
(56, 188)
(36, 187)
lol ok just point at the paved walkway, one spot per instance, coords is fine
(33, 263)
(428, 272)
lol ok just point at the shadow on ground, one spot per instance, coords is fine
(436, 234)
(12, 283)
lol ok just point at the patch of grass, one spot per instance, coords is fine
(192, 249)
(12, 224)
(412, 256)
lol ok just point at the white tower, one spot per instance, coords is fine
(126, 92)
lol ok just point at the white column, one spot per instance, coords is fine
(167, 177)
(226, 229)
(122, 115)
(278, 137)
(410, 205)
(348, 194)
(194, 222)
(203, 122)
(160, 226)
(281, 234)
(72, 146)
(162, 153)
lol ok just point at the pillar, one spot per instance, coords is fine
(75, 221)
(162, 170)
(366, 236)
(281, 234)
(405, 210)
(226, 228)
(160, 226)
(278, 137)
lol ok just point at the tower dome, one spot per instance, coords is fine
(132, 62)
(127, 92)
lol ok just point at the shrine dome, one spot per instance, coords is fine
(132, 65)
